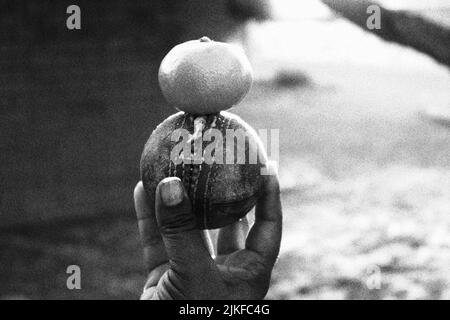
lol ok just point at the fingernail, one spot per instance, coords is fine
(172, 192)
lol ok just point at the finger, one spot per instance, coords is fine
(265, 235)
(232, 237)
(154, 251)
(148, 294)
(186, 249)
(206, 236)
(155, 275)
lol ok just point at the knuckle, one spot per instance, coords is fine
(178, 222)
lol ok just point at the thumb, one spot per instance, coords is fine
(177, 224)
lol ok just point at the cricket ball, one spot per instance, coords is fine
(222, 186)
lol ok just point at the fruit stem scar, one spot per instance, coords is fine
(199, 125)
(205, 39)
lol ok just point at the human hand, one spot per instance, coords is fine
(179, 263)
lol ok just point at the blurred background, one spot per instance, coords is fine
(364, 119)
